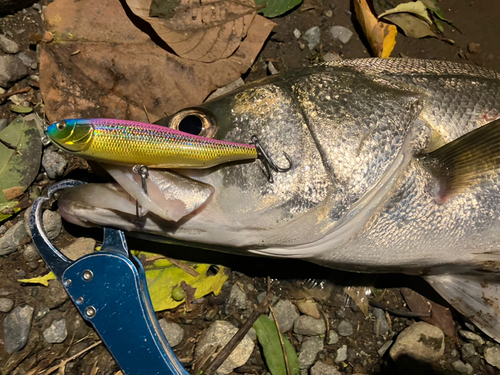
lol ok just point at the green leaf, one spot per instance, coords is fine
(7, 209)
(416, 8)
(267, 334)
(20, 154)
(276, 8)
(412, 26)
(163, 278)
(21, 109)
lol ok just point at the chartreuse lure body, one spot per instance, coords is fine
(135, 143)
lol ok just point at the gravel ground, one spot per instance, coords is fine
(40, 326)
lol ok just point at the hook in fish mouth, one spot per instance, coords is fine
(268, 162)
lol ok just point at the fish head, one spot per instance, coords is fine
(71, 135)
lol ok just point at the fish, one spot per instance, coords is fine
(135, 143)
(395, 169)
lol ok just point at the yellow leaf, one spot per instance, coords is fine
(380, 35)
(44, 280)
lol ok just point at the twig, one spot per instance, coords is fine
(15, 92)
(63, 363)
(147, 114)
(183, 266)
(285, 355)
(403, 314)
(235, 340)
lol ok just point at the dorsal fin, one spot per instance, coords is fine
(471, 159)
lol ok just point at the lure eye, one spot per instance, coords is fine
(61, 125)
(194, 121)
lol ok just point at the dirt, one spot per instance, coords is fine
(477, 43)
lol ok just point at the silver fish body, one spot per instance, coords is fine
(360, 195)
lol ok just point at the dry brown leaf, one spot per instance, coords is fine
(13, 192)
(204, 31)
(380, 35)
(309, 307)
(119, 70)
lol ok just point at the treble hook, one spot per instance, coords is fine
(269, 164)
(143, 172)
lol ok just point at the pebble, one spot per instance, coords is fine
(460, 367)
(312, 37)
(286, 314)
(52, 223)
(472, 337)
(55, 294)
(82, 246)
(237, 298)
(218, 334)
(6, 304)
(328, 13)
(381, 351)
(3, 228)
(11, 70)
(53, 163)
(468, 350)
(16, 328)
(297, 34)
(7, 45)
(37, 7)
(252, 334)
(492, 356)
(341, 354)
(11, 239)
(321, 368)
(340, 313)
(421, 341)
(309, 351)
(56, 332)
(345, 328)
(172, 331)
(31, 254)
(341, 33)
(42, 313)
(333, 338)
(329, 57)
(474, 48)
(380, 325)
(307, 325)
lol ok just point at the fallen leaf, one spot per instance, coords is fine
(274, 8)
(20, 155)
(358, 294)
(196, 30)
(21, 109)
(268, 336)
(309, 307)
(380, 35)
(44, 280)
(13, 192)
(412, 26)
(440, 315)
(7, 209)
(120, 70)
(417, 8)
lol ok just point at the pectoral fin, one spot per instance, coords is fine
(467, 161)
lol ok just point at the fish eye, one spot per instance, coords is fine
(194, 121)
(61, 125)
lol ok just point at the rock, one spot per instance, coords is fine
(225, 89)
(306, 325)
(172, 331)
(328, 13)
(286, 314)
(271, 68)
(6, 304)
(312, 37)
(309, 351)
(474, 48)
(309, 307)
(252, 334)
(341, 354)
(492, 356)
(11, 239)
(333, 338)
(468, 350)
(460, 367)
(321, 368)
(340, 313)
(7, 45)
(11, 70)
(16, 328)
(56, 332)
(237, 298)
(381, 351)
(3, 228)
(31, 253)
(341, 33)
(345, 328)
(52, 223)
(218, 334)
(55, 294)
(420, 341)
(27, 60)
(53, 163)
(329, 57)
(42, 313)
(380, 325)
(82, 246)
(471, 336)
(297, 34)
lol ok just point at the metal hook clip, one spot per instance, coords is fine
(268, 162)
(143, 172)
